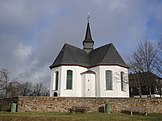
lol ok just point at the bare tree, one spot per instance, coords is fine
(159, 67)
(4, 82)
(40, 90)
(159, 87)
(25, 89)
(9, 88)
(145, 59)
(13, 88)
(135, 82)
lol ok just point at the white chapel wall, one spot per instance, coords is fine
(116, 77)
(99, 83)
(76, 83)
(53, 76)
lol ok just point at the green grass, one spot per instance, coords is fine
(35, 116)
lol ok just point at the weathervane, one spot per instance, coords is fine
(88, 17)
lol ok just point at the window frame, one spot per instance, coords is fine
(108, 79)
(69, 80)
(123, 83)
(56, 79)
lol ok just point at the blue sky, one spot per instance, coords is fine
(32, 32)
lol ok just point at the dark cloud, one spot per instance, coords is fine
(32, 32)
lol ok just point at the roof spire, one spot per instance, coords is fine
(88, 42)
(88, 31)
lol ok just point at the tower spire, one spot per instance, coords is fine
(88, 42)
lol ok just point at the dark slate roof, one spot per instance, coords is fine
(144, 75)
(105, 55)
(71, 55)
(88, 72)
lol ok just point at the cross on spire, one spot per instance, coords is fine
(88, 17)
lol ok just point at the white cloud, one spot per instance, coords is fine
(40, 75)
(23, 52)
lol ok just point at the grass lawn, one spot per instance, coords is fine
(31, 116)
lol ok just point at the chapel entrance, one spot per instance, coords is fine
(88, 84)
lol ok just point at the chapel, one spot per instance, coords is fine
(89, 71)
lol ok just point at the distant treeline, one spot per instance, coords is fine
(13, 88)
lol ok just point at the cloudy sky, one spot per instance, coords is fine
(32, 32)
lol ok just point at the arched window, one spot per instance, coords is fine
(56, 80)
(108, 80)
(122, 81)
(69, 79)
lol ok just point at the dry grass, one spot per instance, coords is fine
(31, 116)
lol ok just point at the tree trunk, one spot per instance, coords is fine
(150, 91)
(140, 93)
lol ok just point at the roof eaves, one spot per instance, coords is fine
(101, 64)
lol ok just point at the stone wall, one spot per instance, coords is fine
(61, 104)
